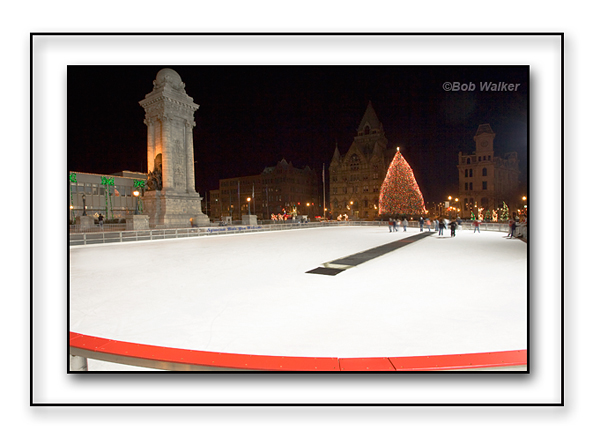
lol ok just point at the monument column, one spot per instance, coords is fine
(189, 148)
(150, 124)
(171, 200)
(166, 154)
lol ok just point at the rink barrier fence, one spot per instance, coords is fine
(121, 236)
(83, 347)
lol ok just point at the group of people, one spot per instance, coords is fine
(439, 225)
(393, 224)
(443, 223)
(514, 224)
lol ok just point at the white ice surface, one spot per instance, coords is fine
(250, 293)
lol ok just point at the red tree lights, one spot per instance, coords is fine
(400, 193)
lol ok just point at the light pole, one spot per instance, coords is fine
(248, 199)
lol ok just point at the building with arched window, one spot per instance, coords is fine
(486, 181)
(355, 178)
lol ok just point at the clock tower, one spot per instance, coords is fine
(485, 181)
(484, 141)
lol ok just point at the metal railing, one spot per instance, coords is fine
(114, 235)
(109, 236)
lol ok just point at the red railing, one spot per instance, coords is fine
(190, 360)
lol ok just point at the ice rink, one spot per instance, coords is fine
(250, 293)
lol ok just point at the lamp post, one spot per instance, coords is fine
(136, 193)
(248, 199)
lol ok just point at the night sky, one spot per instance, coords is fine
(251, 117)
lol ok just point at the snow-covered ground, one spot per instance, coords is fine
(250, 294)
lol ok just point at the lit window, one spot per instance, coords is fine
(354, 162)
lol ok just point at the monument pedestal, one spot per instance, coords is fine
(85, 222)
(249, 220)
(166, 209)
(137, 222)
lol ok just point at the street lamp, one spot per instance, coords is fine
(248, 199)
(136, 193)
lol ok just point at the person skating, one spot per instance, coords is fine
(404, 224)
(513, 227)
(453, 229)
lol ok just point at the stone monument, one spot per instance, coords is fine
(171, 199)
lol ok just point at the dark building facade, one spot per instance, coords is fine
(282, 189)
(487, 181)
(355, 178)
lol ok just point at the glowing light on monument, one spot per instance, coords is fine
(400, 193)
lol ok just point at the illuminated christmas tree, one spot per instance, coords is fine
(504, 212)
(400, 193)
